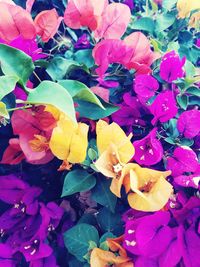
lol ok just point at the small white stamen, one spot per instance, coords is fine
(130, 243)
(142, 158)
(151, 151)
(131, 231)
(117, 168)
(27, 247)
(141, 147)
(196, 180)
(33, 252)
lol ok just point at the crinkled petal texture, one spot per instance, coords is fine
(15, 21)
(69, 140)
(47, 23)
(185, 7)
(184, 159)
(164, 107)
(107, 134)
(84, 13)
(148, 151)
(100, 258)
(151, 190)
(188, 123)
(114, 22)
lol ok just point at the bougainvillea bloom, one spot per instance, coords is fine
(15, 21)
(69, 140)
(85, 13)
(145, 86)
(164, 107)
(47, 23)
(115, 151)
(185, 167)
(171, 67)
(114, 21)
(188, 123)
(184, 7)
(148, 151)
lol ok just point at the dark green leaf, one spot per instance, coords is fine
(52, 93)
(185, 38)
(182, 101)
(193, 91)
(77, 239)
(94, 112)
(102, 195)
(79, 91)
(77, 181)
(7, 85)
(16, 63)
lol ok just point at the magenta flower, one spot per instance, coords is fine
(145, 86)
(185, 167)
(46, 262)
(148, 151)
(29, 47)
(171, 67)
(148, 236)
(188, 123)
(164, 107)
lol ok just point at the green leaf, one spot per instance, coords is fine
(189, 68)
(164, 21)
(92, 154)
(77, 181)
(94, 112)
(185, 38)
(77, 239)
(84, 56)
(193, 90)
(186, 142)
(102, 195)
(168, 4)
(16, 63)
(170, 140)
(59, 67)
(79, 91)
(110, 222)
(7, 85)
(182, 101)
(145, 23)
(48, 92)
(3, 111)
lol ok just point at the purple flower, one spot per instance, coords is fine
(171, 67)
(130, 112)
(129, 3)
(46, 262)
(148, 151)
(19, 93)
(148, 236)
(185, 167)
(164, 107)
(82, 42)
(145, 86)
(144, 262)
(198, 42)
(188, 123)
(6, 256)
(29, 47)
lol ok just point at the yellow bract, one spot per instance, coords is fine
(186, 6)
(69, 140)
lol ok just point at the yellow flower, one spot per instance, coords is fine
(115, 150)
(150, 189)
(69, 140)
(186, 6)
(195, 20)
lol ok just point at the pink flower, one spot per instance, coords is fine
(171, 67)
(15, 21)
(148, 151)
(47, 23)
(188, 123)
(164, 107)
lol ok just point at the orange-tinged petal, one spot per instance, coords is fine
(61, 138)
(47, 23)
(101, 258)
(195, 20)
(54, 111)
(79, 144)
(107, 134)
(153, 200)
(115, 245)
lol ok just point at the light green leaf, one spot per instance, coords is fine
(16, 63)
(77, 181)
(7, 85)
(145, 24)
(79, 91)
(48, 92)
(84, 56)
(77, 239)
(3, 111)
